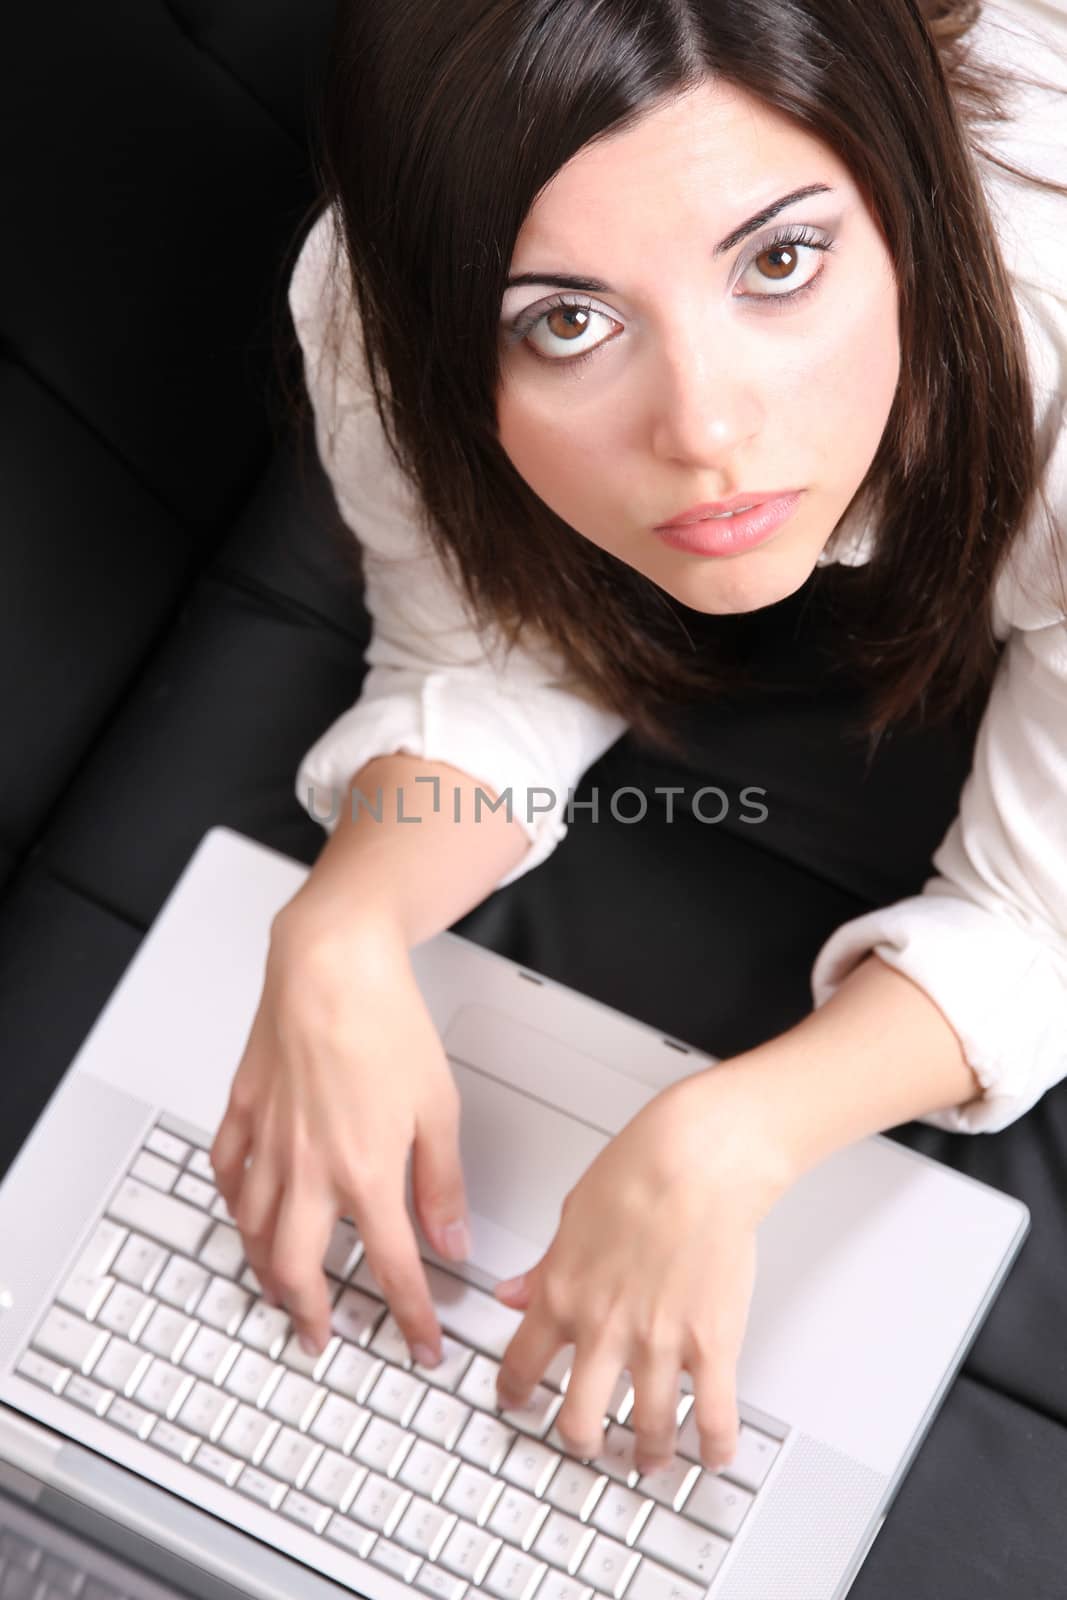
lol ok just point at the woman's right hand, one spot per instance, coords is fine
(342, 1075)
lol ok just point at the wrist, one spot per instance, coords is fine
(728, 1105)
(320, 928)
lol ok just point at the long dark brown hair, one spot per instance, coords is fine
(439, 124)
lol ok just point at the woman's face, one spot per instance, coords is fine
(704, 381)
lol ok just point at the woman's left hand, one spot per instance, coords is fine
(652, 1269)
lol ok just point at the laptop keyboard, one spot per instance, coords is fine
(161, 1331)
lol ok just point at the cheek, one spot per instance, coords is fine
(564, 464)
(858, 373)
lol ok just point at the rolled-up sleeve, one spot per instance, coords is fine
(436, 686)
(987, 936)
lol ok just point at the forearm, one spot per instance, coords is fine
(416, 877)
(876, 1054)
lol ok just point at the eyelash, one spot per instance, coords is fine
(526, 323)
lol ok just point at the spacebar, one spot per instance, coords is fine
(468, 1314)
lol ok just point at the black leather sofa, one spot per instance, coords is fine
(182, 618)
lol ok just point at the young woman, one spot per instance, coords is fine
(593, 277)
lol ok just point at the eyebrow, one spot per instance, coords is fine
(557, 280)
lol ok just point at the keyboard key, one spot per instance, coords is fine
(516, 1517)
(396, 1395)
(513, 1575)
(339, 1422)
(652, 1582)
(379, 1503)
(85, 1294)
(436, 1581)
(485, 1441)
(687, 1547)
(155, 1170)
(470, 1315)
(356, 1315)
(536, 1415)
(169, 1146)
(87, 1394)
(224, 1305)
(309, 1513)
(69, 1339)
(389, 1343)
(252, 1377)
(608, 1565)
(168, 1333)
(39, 1369)
(222, 1251)
(291, 1457)
(616, 1457)
(424, 1527)
(122, 1366)
(455, 1359)
(130, 1418)
(258, 1486)
(472, 1493)
(309, 1366)
(469, 1551)
(393, 1558)
(196, 1190)
(101, 1250)
(163, 1388)
(217, 1464)
(174, 1223)
(383, 1445)
(139, 1262)
(265, 1328)
(478, 1386)
(529, 1465)
(206, 1410)
(718, 1504)
(620, 1512)
(181, 1283)
(199, 1164)
(563, 1541)
(125, 1311)
(441, 1418)
(558, 1586)
(756, 1452)
(350, 1535)
(248, 1433)
(174, 1440)
(575, 1488)
(335, 1480)
(353, 1372)
(211, 1354)
(295, 1400)
(426, 1469)
(670, 1485)
(344, 1251)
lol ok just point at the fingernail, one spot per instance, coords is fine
(309, 1345)
(424, 1355)
(509, 1285)
(457, 1241)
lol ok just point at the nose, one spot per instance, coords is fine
(705, 408)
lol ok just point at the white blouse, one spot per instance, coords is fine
(986, 938)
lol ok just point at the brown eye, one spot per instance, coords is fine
(782, 259)
(567, 322)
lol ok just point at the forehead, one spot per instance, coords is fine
(703, 154)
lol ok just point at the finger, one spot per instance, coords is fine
(305, 1224)
(515, 1292)
(654, 1416)
(714, 1409)
(532, 1347)
(580, 1419)
(228, 1155)
(393, 1257)
(256, 1214)
(437, 1182)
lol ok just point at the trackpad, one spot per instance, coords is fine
(520, 1159)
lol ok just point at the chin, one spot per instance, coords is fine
(733, 585)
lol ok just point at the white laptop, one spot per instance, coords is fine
(150, 1397)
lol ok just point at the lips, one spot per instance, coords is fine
(711, 508)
